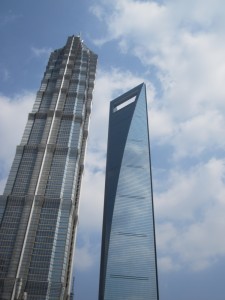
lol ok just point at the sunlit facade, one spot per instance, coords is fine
(39, 207)
(128, 258)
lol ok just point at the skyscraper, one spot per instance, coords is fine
(128, 258)
(39, 207)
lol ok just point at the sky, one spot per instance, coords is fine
(178, 49)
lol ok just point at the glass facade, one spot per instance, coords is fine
(39, 207)
(128, 258)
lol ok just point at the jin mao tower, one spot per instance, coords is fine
(39, 207)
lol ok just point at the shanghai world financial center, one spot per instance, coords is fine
(128, 258)
(40, 204)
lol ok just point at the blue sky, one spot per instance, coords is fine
(177, 48)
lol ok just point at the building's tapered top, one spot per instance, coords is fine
(128, 259)
(39, 208)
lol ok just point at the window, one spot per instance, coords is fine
(124, 104)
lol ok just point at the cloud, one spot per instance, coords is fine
(161, 124)
(38, 52)
(92, 197)
(199, 134)
(98, 11)
(190, 215)
(5, 74)
(184, 43)
(167, 264)
(8, 18)
(13, 116)
(86, 255)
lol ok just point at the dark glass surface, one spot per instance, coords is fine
(128, 261)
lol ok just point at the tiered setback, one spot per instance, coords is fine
(39, 207)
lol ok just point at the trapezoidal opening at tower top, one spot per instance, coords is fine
(124, 104)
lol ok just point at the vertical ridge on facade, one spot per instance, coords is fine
(39, 206)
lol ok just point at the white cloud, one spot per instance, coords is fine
(5, 74)
(184, 41)
(2, 184)
(86, 255)
(190, 192)
(199, 134)
(98, 11)
(8, 18)
(92, 198)
(191, 219)
(167, 264)
(161, 123)
(13, 117)
(38, 52)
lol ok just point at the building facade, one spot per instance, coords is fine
(39, 207)
(128, 258)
